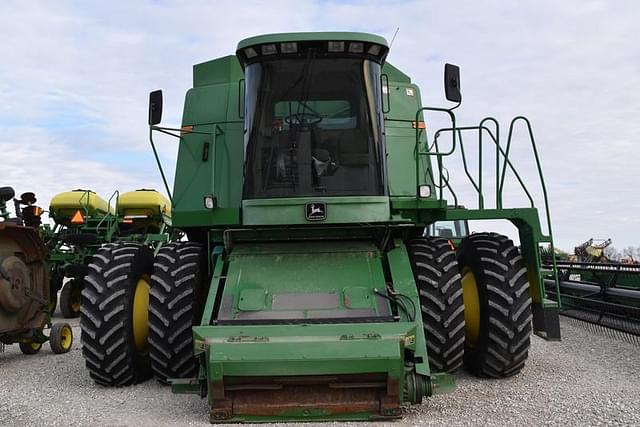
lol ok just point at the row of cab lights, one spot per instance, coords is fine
(332, 46)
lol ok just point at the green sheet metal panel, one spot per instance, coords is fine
(270, 350)
(339, 210)
(221, 70)
(304, 280)
(210, 158)
(400, 136)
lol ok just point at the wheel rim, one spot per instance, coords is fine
(141, 313)
(471, 301)
(36, 346)
(66, 338)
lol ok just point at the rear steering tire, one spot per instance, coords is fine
(435, 270)
(497, 305)
(173, 310)
(114, 314)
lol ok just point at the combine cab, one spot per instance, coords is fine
(308, 288)
(24, 281)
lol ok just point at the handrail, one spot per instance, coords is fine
(502, 162)
(499, 151)
(439, 155)
(108, 215)
(540, 175)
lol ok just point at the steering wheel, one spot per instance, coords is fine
(303, 119)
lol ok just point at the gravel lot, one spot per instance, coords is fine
(587, 379)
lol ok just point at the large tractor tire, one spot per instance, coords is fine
(174, 309)
(71, 298)
(437, 277)
(497, 305)
(114, 314)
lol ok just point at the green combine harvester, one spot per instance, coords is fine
(84, 222)
(308, 287)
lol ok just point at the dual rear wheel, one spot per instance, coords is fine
(137, 314)
(475, 303)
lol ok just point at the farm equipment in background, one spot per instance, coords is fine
(84, 222)
(599, 291)
(307, 289)
(590, 251)
(24, 280)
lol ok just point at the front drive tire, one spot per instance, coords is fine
(61, 338)
(114, 314)
(436, 274)
(497, 305)
(173, 309)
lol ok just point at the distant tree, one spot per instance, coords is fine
(629, 252)
(612, 253)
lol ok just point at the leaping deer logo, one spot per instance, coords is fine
(316, 211)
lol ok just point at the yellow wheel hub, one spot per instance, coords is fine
(66, 338)
(141, 313)
(471, 301)
(36, 346)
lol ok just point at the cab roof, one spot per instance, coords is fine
(312, 36)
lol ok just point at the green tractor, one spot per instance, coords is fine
(84, 222)
(24, 280)
(309, 286)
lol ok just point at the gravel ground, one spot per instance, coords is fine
(587, 379)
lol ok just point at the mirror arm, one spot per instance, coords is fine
(457, 105)
(155, 154)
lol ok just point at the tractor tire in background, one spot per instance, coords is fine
(437, 277)
(61, 338)
(497, 305)
(70, 298)
(174, 309)
(30, 347)
(114, 314)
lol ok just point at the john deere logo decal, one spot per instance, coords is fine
(316, 211)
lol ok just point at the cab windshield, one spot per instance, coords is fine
(313, 128)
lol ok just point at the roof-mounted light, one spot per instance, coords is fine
(269, 49)
(335, 46)
(290, 47)
(374, 49)
(250, 52)
(356, 47)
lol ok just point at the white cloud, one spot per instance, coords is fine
(74, 81)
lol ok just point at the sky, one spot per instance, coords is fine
(75, 78)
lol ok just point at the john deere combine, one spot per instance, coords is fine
(306, 290)
(24, 280)
(84, 222)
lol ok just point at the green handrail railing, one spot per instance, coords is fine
(502, 162)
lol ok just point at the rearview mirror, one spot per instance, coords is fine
(155, 107)
(452, 83)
